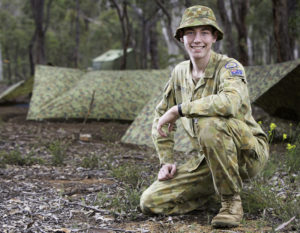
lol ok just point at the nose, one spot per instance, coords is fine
(198, 37)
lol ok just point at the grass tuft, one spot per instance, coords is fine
(58, 151)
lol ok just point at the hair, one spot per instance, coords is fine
(212, 29)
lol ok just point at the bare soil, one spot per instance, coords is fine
(46, 198)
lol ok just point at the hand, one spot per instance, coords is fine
(170, 118)
(167, 172)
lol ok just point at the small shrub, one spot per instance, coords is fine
(91, 162)
(293, 158)
(58, 151)
(15, 158)
(124, 202)
(128, 173)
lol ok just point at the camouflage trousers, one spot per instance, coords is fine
(232, 154)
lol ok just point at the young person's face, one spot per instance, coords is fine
(198, 41)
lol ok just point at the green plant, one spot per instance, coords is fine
(58, 151)
(15, 157)
(127, 173)
(293, 158)
(91, 162)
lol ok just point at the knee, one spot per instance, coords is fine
(210, 129)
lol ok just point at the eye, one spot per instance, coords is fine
(189, 32)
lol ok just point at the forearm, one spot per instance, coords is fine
(163, 145)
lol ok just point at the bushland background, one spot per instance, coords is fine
(69, 33)
(51, 181)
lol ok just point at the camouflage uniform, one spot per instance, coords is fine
(217, 118)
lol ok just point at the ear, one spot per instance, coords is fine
(215, 36)
(181, 39)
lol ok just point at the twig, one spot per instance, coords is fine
(89, 207)
(104, 228)
(283, 225)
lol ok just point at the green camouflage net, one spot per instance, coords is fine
(62, 93)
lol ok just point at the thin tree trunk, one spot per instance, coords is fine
(1, 65)
(229, 44)
(168, 28)
(31, 53)
(77, 33)
(154, 45)
(239, 12)
(144, 43)
(281, 32)
(37, 55)
(8, 65)
(125, 26)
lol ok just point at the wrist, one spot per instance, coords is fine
(179, 110)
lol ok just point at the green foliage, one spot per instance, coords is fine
(15, 157)
(126, 201)
(91, 162)
(128, 173)
(58, 151)
(293, 158)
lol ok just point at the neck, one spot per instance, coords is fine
(200, 64)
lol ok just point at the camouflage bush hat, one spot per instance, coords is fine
(198, 16)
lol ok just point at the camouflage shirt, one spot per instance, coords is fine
(221, 92)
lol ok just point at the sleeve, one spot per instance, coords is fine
(164, 145)
(232, 91)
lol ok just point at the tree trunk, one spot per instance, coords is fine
(37, 44)
(1, 66)
(126, 28)
(77, 34)
(7, 56)
(281, 32)
(173, 20)
(229, 44)
(239, 12)
(154, 45)
(144, 43)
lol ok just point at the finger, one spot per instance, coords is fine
(161, 132)
(170, 127)
(173, 171)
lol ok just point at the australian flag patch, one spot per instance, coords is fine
(236, 72)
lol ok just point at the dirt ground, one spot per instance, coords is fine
(46, 198)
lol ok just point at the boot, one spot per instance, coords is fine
(231, 213)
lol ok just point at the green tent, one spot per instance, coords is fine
(272, 87)
(112, 60)
(64, 93)
(20, 89)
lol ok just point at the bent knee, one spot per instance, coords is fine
(146, 203)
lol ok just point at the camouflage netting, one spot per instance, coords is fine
(17, 90)
(63, 93)
(273, 87)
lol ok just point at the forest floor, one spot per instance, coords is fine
(51, 181)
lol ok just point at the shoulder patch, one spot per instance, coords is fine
(236, 72)
(231, 65)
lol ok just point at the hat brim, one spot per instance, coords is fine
(178, 33)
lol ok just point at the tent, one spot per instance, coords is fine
(112, 59)
(64, 93)
(20, 89)
(272, 87)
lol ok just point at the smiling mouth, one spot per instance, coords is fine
(197, 47)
